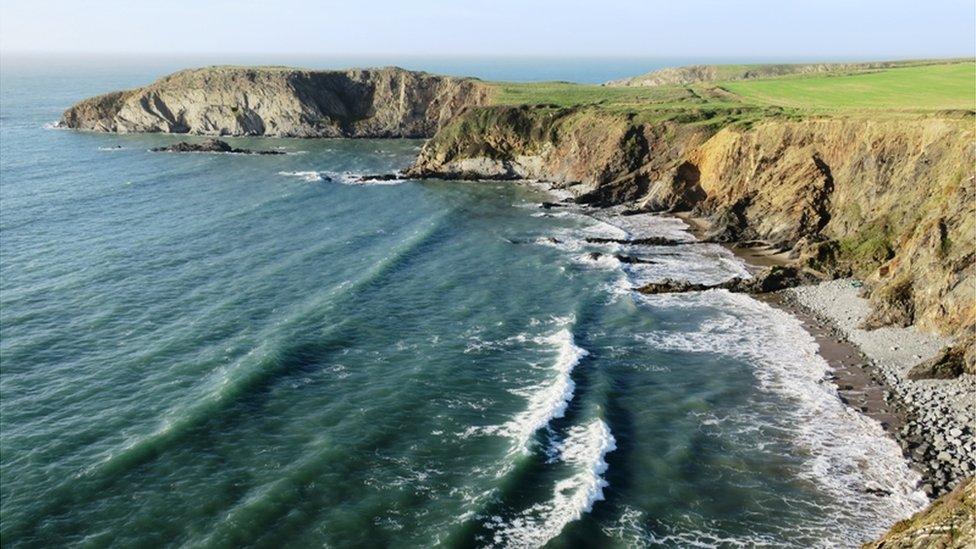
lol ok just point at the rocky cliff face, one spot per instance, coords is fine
(950, 522)
(281, 102)
(891, 201)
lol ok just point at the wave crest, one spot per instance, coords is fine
(584, 448)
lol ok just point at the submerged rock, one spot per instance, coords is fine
(210, 146)
(647, 241)
(624, 258)
(634, 259)
(551, 205)
(671, 286)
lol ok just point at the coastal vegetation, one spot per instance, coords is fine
(904, 88)
(914, 88)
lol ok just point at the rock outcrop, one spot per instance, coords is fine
(949, 523)
(282, 102)
(208, 146)
(890, 200)
(770, 279)
(949, 363)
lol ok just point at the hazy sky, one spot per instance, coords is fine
(732, 28)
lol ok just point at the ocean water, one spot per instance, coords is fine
(221, 350)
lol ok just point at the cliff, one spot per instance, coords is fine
(950, 522)
(282, 102)
(890, 200)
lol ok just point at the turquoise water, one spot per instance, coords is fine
(219, 350)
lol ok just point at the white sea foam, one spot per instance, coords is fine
(110, 149)
(345, 178)
(696, 262)
(309, 176)
(700, 263)
(647, 224)
(584, 449)
(847, 453)
(601, 260)
(548, 400)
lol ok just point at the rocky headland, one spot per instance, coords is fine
(886, 198)
(283, 102)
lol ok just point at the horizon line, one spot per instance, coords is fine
(804, 56)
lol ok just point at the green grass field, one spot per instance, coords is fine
(933, 87)
(647, 104)
(923, 88)
(565, 94)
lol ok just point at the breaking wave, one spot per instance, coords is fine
(584, 449)
(546, 401)
(847, 454)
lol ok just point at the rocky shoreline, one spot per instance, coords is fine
(936, 432)
(933, 420)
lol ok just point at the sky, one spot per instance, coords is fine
(797, 29)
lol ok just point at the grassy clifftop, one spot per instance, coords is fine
(696, 74)
(917, 88)
(901, 89)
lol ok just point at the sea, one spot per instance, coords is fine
(217, 350)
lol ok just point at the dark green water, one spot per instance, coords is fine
(215, 351)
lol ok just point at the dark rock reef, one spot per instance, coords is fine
(770, 279)
(208, 146)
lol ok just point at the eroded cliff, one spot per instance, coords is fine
(283, 102)
(892, 201)
(947, 523)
